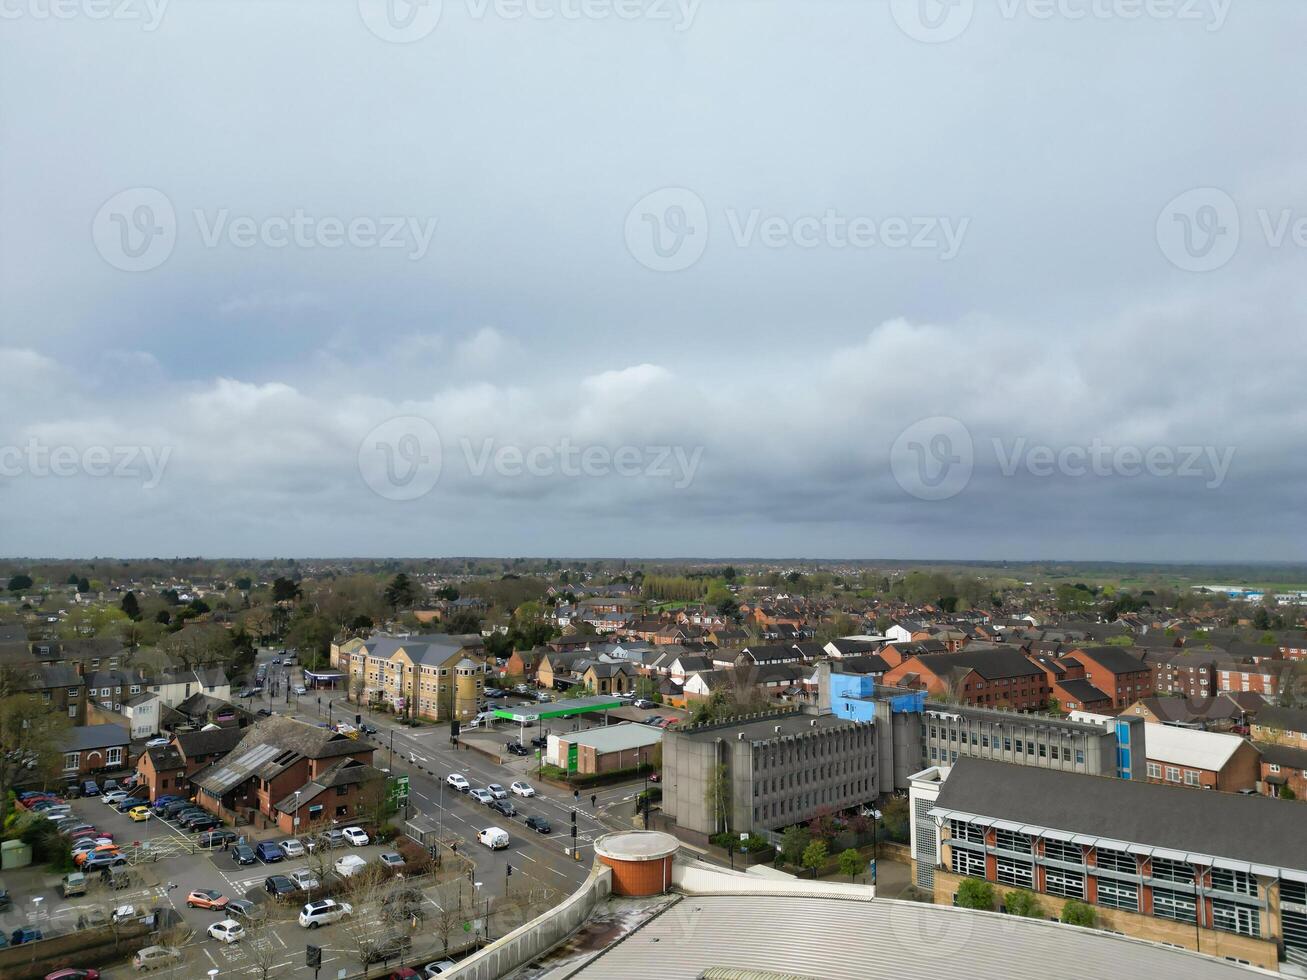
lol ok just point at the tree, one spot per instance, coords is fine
(850, 863)
(244, 583)
(463, 621)
(285, 590)
(20, 583)
(793, 842)
(1287, 793)
(32, 736)
(83, 585)
(1076, 913)
(717, 794)
(131, 607)
(1023, 903)
(976, 894)
(814, 856)
(400, 593)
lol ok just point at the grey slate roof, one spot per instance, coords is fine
(1284, 719)
(1115, 659)
(1133, 812)
(1083, 691)
(84, 737)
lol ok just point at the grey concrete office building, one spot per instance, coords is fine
(953, 731)
(781, 768)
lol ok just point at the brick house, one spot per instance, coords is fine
(1281, 726)
(523, 664)
(1079, 694)
(991, 678)
(1283, 767)
(1120, 675)
(167, 769)
(1201, 760)
(273, 760)
(90, 749)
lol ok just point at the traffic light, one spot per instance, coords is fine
(313, 957)
(508, 873)
(358, 719)
(573, 818)
(573, 831)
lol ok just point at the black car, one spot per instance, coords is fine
(5, 900)
(215, 838)
(203, 823)
(505, 807)
(264, 713)
(540, 825)
(539, 742)
(368, 729)
(517, 748)
(243, 854)
(279, 886)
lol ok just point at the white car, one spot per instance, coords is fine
(497, 791)
(292, 848)
(114, 798)
(458, 781)
(324, 913)
(350, 865)
(155, 743)
(482, 796)
(356, 836)
(227, 931)
(495, 838)
(520, 788)
(304, 879)
(300, 689)
(123, 912)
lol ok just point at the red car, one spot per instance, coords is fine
(206, 898)
(72, 974)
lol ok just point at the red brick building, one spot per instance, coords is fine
(1119, 674)
(998, 677)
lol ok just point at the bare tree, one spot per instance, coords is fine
(259, 945)
(31, 737)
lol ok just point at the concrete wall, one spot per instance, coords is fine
(687, 765)
(698, 878)
(539, 935)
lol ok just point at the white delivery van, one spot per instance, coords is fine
(495, 838)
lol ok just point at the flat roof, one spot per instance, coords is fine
(559, 709)
(833, 939)
(615, 738)
(793, 723)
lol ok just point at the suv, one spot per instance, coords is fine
(458, 781)
(505, 807)
(279, 886)
(324, 913)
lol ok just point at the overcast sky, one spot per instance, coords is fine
(654, 278)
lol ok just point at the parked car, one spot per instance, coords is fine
(25, 934)
(131, 803)
(163, 801)
(92, 918)
(6, 903)
(154, 957)
(505, 807)
(458, 781)
(517, 748)
(269, 852)
(73, 884)
(495, 838)
(539, 742)
(350, 865)
(227, 931)
(197, 822)
(481, 796)
(215, 838)
(90, 788)
(402, 905)
(156, 743)
(100, 860)
(654, 720)
(114, 796)
(642, 703)
(240, 908)
(497, 791)
(139, 813)
(304, 879)
(368, 729)
(300, 689)
(279, 886)
(205, 898)
(72, 973)
(437, 968)
(324, 912)
(242, 854)
(540, 825)
(292, 848)
(391, 860)
(523, 789)
(334, 838)
(356, 836)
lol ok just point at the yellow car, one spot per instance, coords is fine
(139, 813)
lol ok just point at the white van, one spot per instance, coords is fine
(495, 838)
(482, 719)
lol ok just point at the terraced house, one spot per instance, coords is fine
(435, 676)
(1157, 862)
